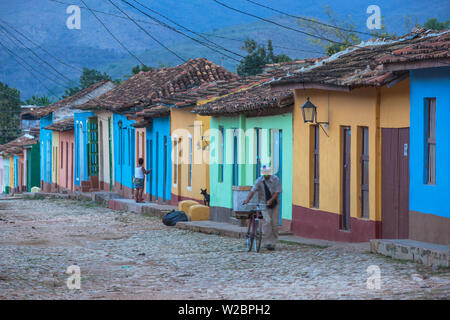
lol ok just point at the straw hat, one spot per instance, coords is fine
(266, 171)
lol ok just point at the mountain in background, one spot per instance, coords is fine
(45, 22)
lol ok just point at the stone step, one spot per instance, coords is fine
(429, 254)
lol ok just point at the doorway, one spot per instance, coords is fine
(395, 183)
(346, 171)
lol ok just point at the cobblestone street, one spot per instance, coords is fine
(124, 255)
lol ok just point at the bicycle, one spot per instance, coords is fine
(254, 232)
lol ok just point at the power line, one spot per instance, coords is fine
(37, 45)
(178, 31)
(45, 62)
(189, 30)
(23, 66)
(309, 20)
(146, 32)
(115, 38)
(107, 13)
(275, 46)
(276, 23)
(30, 66)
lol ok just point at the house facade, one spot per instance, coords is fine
(430, 154)
(46, 147)
(65, 153)
(351, 146)
(190, 169)
(50, 141)
(428, 63)
(124, 155)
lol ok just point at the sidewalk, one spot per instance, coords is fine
(429, 254)
(425, 253)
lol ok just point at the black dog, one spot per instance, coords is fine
(205, 196)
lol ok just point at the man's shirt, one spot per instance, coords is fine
(273, 183)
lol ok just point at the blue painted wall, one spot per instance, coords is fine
(16, 171)
(81, 141)
(46, 148)
(434, 199)
(124, 146)
(155, 136)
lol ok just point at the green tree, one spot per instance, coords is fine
(257, 57)
(39, 101)
(435, 24)
(138, 69)
(87, 78)
(10, 113)
(340, 30)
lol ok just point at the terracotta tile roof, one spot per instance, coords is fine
(16, 146)
(433, 46)
(146, 88)
(362, 66)
(254, 97)
(43, 111)
(35, 132)
(256, 101)
(62, 125)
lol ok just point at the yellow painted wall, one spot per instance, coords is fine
(182, 124)
(360, 107)
(55, 157)
(394, 106)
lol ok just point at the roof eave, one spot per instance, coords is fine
(418, 64)
(283, 85)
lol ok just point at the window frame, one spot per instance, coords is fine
(430, 141)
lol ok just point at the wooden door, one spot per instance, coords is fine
(67, 165)
(395, 183)
(346, 168)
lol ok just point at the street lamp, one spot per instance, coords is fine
(309, 111)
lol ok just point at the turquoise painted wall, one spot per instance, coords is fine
(221, 193)
(124, 150)
(424, 198)
(46, 137)
(155, 136)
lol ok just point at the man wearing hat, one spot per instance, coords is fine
(268, 187)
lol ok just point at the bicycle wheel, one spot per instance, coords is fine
(250, 235)
(258, 235)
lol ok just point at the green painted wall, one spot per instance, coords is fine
(221, 192)
(33, 165)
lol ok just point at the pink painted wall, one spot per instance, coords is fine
(66, 163)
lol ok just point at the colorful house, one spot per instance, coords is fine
(174, 132)
(63, 156)
(351, 145)
(4, 182)
(32, 165)
(428, 60)
(14, 159)
(250, 127)
(150, 139)
(50, 142)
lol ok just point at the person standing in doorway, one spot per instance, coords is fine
(268, 187)
(139, 177)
